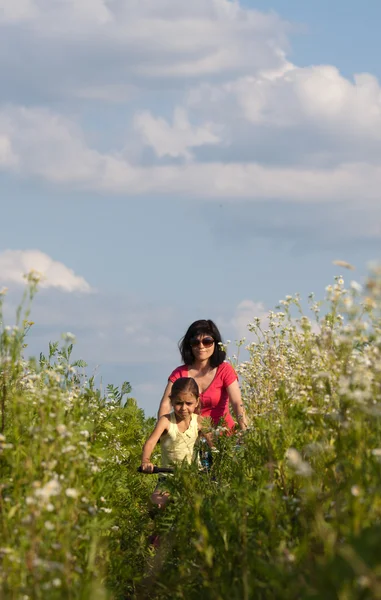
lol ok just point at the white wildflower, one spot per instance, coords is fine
(68, 448)
(364, 581)
(52, 488)
(68, 337)
(57, 582)
(296, 462)
(376, 451)
(62, 430)
(34, 276)
(355, 491)
(49, 525)
(357, 287)
(71, 493)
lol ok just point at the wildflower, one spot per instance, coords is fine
(363, 581)
(296, 462)
(52, 488)
(62, 430)
(68, 337)
(68, 448)
(33, 276)
(115, 528)
(356, 287)
(71, 493)
(85, 433)
(49, 525)
(355, 491)
(57, 582)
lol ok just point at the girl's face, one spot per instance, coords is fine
(184, 404)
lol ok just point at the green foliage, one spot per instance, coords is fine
(290, 510)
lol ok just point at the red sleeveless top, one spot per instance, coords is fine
(215, 400)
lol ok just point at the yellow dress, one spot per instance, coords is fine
(177, 446)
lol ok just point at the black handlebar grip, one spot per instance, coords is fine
(156, 470)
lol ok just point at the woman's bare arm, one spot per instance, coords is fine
(165, 403)
(235, 398)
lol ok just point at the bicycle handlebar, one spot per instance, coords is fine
(156, 470)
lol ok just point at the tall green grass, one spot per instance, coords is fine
(291, 512)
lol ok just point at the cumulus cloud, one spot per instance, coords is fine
(245, 312)
(59, 45)
(173, 140)
(310, 115)
(54, 148)
(248, 123)
(7, 157)
(14, 264)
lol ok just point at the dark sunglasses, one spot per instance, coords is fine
(206, 342)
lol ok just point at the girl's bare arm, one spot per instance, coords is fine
(161, 426)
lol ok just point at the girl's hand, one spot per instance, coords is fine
(147, 467)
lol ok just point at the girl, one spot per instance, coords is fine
(177, 432)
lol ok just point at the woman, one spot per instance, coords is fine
(204, 360)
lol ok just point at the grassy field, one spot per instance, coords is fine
(292, 512)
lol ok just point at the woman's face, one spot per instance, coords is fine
(202, 346)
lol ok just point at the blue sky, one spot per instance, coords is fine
(163, 161)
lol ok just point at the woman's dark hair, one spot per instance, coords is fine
(202, 327)
(184, 384)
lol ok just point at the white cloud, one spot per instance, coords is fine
(17, 10)
(245, 313)
(59, 45)
(14, 264)
(262, 129)
(47, 145)
(7, 157)
(173, 140)
(308, 116)
(54, 148)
